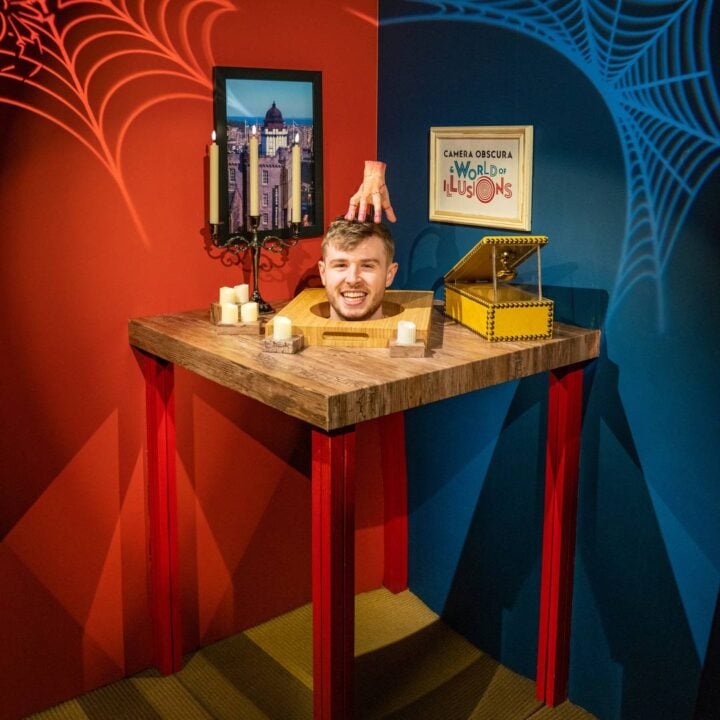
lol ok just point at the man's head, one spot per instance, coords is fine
(356, 267)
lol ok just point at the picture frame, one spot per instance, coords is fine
(482, 175)
(283, 105)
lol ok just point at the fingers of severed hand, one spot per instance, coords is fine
(387, 206)
(377, 206)
(353, 206)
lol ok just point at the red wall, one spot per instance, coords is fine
(103, 212)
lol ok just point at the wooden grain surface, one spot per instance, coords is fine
(309, 312)
(333, 387)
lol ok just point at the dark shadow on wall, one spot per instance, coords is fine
(585, 307)
(629, 594)
(708, 700)
(631, 591)
(488, 601)
(309, 279)
(493, 596)
(630, 587)
(431, 254)
(252, 445)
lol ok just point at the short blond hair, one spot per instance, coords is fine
(348, 234)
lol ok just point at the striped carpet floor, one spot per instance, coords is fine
(409, 665)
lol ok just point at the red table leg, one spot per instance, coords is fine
(394, 472)
(558, 554)
(162, 500)
(333, 570)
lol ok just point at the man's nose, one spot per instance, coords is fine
(352, 273)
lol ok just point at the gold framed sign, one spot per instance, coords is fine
(482, 175)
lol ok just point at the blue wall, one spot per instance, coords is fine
(626, 185)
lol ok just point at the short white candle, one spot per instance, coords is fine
(242, 293)
(282, 328)
(249, 312)
(227, 295)
(405, 332)
(228, 313)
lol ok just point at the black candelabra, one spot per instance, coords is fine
(240, 243)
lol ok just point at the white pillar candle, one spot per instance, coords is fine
(227, 295)
(282, 328)
(242, 293)
(228, 313)
(296, 174)
(254, 173)
(405, 332)
(249, 312)
(214, 182)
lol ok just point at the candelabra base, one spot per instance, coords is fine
(239, 243)
(263, 307)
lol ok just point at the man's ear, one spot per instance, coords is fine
(321, 268)
(392, 269)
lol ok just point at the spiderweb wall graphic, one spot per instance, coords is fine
(81, 64)
(650, 60)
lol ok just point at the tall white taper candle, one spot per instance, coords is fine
(254, 172)
(214, 182)
(296, 174)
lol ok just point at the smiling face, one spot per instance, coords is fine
(355, 278)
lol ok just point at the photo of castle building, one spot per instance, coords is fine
(277, 135)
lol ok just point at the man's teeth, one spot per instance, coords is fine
(353, 295)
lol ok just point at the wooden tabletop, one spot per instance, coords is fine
(333, 387)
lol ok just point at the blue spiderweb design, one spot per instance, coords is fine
(650, 60)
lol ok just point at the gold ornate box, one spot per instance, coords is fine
(477, 293)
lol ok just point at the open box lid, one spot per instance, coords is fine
(504, 252)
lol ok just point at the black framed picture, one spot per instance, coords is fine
(268, 123)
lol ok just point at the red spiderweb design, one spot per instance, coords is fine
(19, 34)
(91, 66)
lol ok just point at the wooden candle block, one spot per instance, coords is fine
(291, 345)
(256, 327)
(416, 349)
(310, 315)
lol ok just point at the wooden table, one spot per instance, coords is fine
(333, 389)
